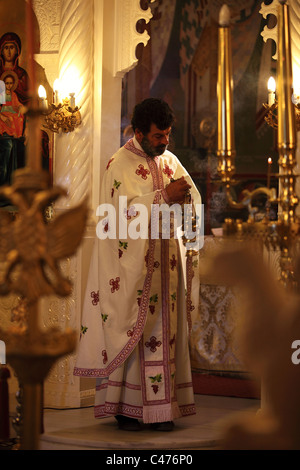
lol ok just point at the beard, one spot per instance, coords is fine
(150, 150)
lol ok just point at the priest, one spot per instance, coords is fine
(139, 302)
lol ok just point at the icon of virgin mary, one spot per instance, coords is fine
(14, 98)
(10, 51)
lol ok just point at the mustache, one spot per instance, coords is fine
(161, 148)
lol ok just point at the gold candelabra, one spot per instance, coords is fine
(282, 233)
(60, 115)
(272, 110)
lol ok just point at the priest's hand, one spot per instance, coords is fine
(177, 190)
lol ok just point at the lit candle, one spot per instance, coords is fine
(269, 171)
(43, 97)
(55, 92)
(72, 100)
(226, 145)
(271, 91)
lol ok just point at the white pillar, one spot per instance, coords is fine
(73, 151)
(73, 158)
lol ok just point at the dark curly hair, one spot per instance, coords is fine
(152, 110)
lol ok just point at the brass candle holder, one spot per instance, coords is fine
(62, 117)
(271, 117)
(226, 151)
(281, 234)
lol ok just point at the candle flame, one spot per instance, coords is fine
(42, 92)
(271, 84)
(269, 160)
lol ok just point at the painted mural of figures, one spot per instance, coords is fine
(12, 121)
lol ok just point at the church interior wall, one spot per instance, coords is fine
(177, 64)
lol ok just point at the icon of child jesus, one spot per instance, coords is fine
(11, 117)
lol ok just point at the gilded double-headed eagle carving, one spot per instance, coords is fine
(31, 248)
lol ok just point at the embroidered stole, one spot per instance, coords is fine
(158, 343)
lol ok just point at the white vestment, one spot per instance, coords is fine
(136, 316)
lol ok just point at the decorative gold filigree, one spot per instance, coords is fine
(271, 116)
(31, 253)
(62, 117)
(33, 245)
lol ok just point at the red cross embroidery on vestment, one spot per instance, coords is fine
(168, 171)
(142, 171)
(95, 297)
(115, 283)
(153, 344)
